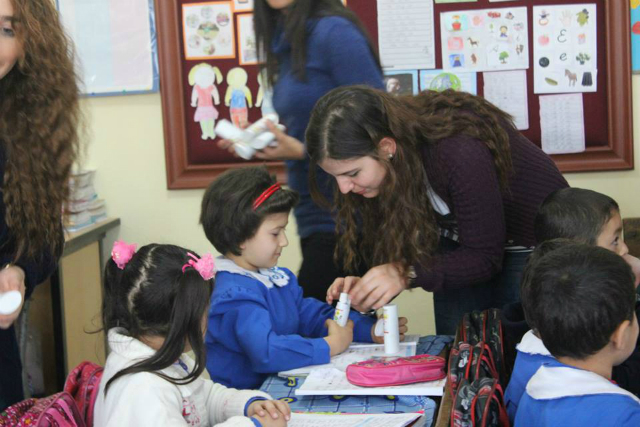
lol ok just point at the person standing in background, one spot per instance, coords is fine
(310, 47)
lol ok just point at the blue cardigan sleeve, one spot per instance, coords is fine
(249, 330)
(350, 58)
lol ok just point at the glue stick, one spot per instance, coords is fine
(343, 307)
(391, 332)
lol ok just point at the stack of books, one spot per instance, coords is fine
(84, 207)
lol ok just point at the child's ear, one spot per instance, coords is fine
(620, 336)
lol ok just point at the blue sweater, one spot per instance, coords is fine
(260, 324)
(337, 55)
(564, 396)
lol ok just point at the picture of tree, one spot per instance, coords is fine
(503, 56)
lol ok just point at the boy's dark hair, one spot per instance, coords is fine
(526, 284)
(227, 214)
(574, 213)
(581, 295)
(152, 296)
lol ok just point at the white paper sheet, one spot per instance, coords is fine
(352, 420)
(562, 123)
(507, 90)
(485, 39)
(357, 352)
(440, 80)
(406, 34)
(331, 381)
(565, 49)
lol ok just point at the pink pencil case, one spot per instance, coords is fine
(403, 370)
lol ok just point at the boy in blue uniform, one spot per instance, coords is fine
(583, 216)
(259, 322)
(583, 308)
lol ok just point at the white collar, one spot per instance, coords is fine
(545, 384)
(266, 276)
(531, 344)
(135, 350)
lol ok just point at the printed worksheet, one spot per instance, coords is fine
(565, 51)
(352, 420)
(406, 34)
(485, 39)
(562, 123)
(507, 90)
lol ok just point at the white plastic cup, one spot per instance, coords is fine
(391, 332)
(341, 316)
(9, 302)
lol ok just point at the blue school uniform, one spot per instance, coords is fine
(531, 355)
(561, 395)
(260, 324)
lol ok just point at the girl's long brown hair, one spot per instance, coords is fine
(39, 116)
(399, 224)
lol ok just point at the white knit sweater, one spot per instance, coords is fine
(145, 399)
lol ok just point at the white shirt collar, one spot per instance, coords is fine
(266, 276)
(531, 344)
(545, 384)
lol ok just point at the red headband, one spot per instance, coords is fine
(265, 195)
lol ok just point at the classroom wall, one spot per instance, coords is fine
(126, 146)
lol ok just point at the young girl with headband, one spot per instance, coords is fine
(154, 309)
(259, 321)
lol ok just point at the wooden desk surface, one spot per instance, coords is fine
(78, 239)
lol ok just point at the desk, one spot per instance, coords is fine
(68, 307)
(284, 389)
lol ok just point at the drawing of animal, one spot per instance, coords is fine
(572, 77)
(472, 42)
(474, 59)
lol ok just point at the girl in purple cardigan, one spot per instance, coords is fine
(444, 189)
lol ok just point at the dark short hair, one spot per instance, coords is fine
(579, 296)
(574, 213)
(532, 261)
(227, 214)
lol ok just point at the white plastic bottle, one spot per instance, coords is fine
(391, 332)
(229, 131)
(341, 316)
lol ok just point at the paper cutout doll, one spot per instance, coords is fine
(264, 98)
(204, 78)
(238, 96)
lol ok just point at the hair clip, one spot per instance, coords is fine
(122, 253)
(265, 195)
(205, 265)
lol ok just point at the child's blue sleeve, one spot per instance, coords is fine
(313, 314)
(246, 327)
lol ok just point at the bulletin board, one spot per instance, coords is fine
(193, 159)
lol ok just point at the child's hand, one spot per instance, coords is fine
(339, 338)
(270, 412)
(341, 284)
(402, 328)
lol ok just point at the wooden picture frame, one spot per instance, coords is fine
(614, 154)
(181, 173)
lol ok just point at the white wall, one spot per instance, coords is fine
(126, 146)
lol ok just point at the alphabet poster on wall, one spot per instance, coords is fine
(565, 54)
(208, 30)
(485, 39)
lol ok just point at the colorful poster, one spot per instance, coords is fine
(635, 36)
(565, 54)
(485, 39)
(401, 82)
(208, 30)
(440, 80)
(248, 50)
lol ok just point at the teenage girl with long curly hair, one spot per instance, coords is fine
(443, 188)
(39, 117)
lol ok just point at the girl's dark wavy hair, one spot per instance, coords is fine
(295, 25)
(152, 297)
(227, 214)
(39, 119)
(399, 225)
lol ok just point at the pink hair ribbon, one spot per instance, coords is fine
(122, 253)
(205, 265)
